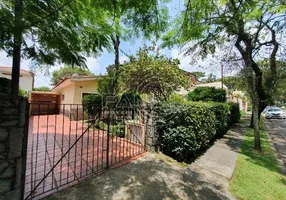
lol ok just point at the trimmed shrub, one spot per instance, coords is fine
(234, 112)
(207, 94)
(222, 113)
(176, 98)
(92, 104)
(184, 128)
(5, 87)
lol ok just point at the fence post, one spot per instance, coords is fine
(108, 135)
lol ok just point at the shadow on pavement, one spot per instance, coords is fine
(147, 178)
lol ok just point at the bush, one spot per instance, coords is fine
(130, 100)
(176, 98)
(222, 113)
(5, 87)
(207, 94)
(234, 112)
(92, 104)
(184, 128)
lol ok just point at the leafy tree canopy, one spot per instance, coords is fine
(151, 73)
(245, 30)
(64, 72)
(55, 30)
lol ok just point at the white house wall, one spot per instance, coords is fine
(26, 81)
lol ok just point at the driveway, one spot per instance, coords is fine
(62, 152)
(277, 131)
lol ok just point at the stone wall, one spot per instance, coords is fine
(151, 137)
(13, 144)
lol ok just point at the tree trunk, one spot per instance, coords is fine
(257, 144)
(116, 43)
(251, 122)
(17, 47)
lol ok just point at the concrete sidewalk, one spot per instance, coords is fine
(218, 162)
(153, 178)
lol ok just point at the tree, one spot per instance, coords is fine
(211, 78)
(149, 73)
(64, 72)
(50, 31)
(133, 19)
(42, 88)
(249, 27)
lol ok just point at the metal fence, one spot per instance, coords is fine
(71, 144)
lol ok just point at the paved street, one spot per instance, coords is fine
(277, 132)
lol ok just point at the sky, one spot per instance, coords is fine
(98, 65)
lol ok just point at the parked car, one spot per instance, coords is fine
(275, 112)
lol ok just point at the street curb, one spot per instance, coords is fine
(277, 156)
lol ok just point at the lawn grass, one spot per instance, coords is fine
(257, 175)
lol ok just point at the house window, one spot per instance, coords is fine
(63, 97)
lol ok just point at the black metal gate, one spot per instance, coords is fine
(65, 148)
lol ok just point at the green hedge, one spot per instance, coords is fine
(207, 94)
(184, 128)
(5, 87)
(235, 112)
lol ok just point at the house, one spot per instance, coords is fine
(192, 82)
(26, 77)
(240, 98)
(72, 90)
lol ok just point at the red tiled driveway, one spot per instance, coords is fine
(51, 136)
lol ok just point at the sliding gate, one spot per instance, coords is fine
(65, 148)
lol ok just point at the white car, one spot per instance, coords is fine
(274, 112)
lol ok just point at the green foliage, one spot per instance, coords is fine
(152, 74)
(207, 94)
(235, 83)
(173, 98)
(64, 72)
(235, 112)
(5, 87)
(130, 100)
(55, 31)
(186, 127)
(199, 75)
(92, 104)
(107, 84)
(43, 88)
(114, 129)
(223, 115)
